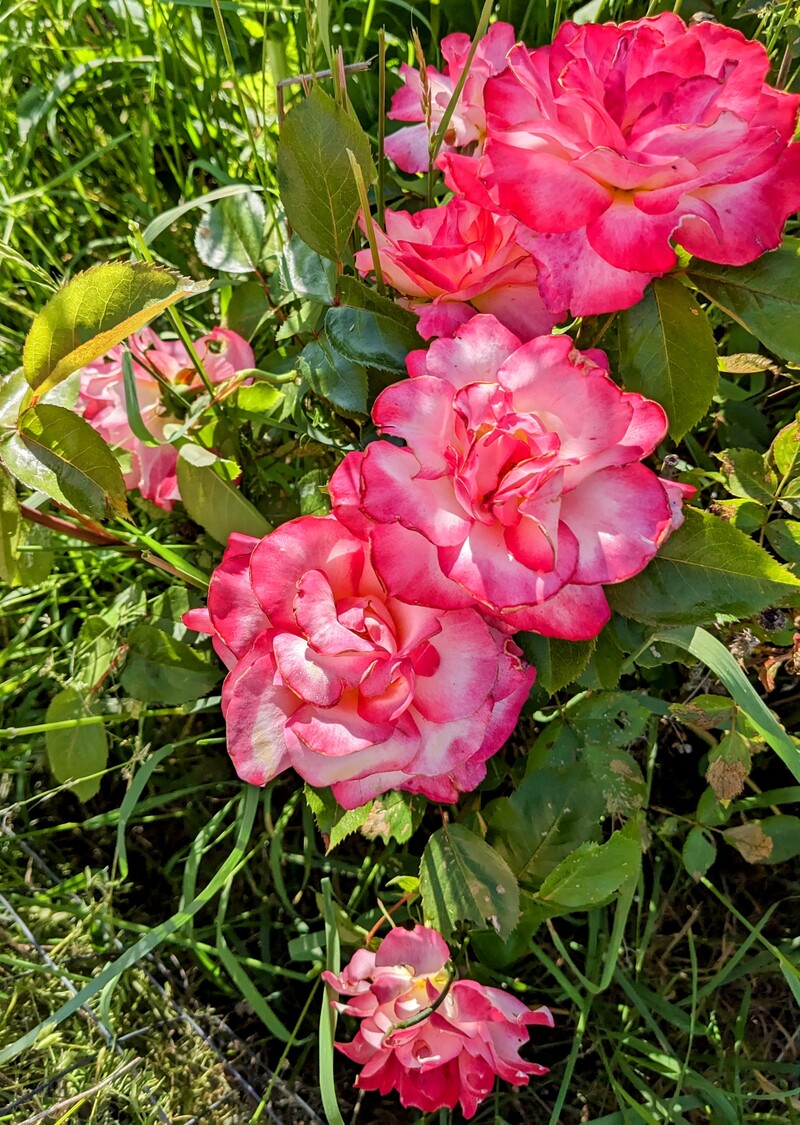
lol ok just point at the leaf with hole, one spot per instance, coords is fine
(94, 312)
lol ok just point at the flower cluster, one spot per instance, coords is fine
(156, 363)
(599, 152)
(471, 1033)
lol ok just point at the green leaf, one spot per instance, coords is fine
(95, 649)
(258, 400)
(764, 296)
(593, 872)
(747, 515)
(230, 236)
(247, 308)
(355, 293)
(330, 375)
(463, 879)
(95, 311)
(709, 811)
(618, 778)
(557, 662)
(302, 273)
(699, 852)
(212, 501)
(75, 754)
(552, 812)
(706, 567)
(784, 831)
(313, 491)
(785, 450)
(371, 339)
(160, 669)
(10, 530)
(784, 538)
(334, 823)
(87, 474)
(315, 178)
(668, 353)
(748, 476)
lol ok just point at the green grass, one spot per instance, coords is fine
(671, 1007)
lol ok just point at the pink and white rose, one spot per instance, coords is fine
(455, 1054)
(153, 468)
(521, 479)
(454, 260)
(616, 141)
(409, 147)
(348, 678)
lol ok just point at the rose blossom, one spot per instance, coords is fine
(616, 139)
(348, 678)
(408, 147)
(474, 1034)
(102, 399)
(521, 478)
(450, 261)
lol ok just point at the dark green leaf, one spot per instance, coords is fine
(764, 296)
(706, 567)
(315, 178)
(231, 235)
(86, 471)
(784, 831)
(359, 296)
(94, 651)
(551, 813)
(784, 538)
(371, 339)
(463, 879)
(593, 872)
(75, 754)
(212, 501)
(303, 273)
(667, 353)
(95, 311)
(247, 308)
(160, 669)
(333, 377)
(709, 811)
(699, 852)
(557, 662)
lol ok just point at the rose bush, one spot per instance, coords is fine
(426, 99)
(474, 1034)
(454, 260)
(521, 478)
(153, 467)
(615, 140)
(343, 675)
